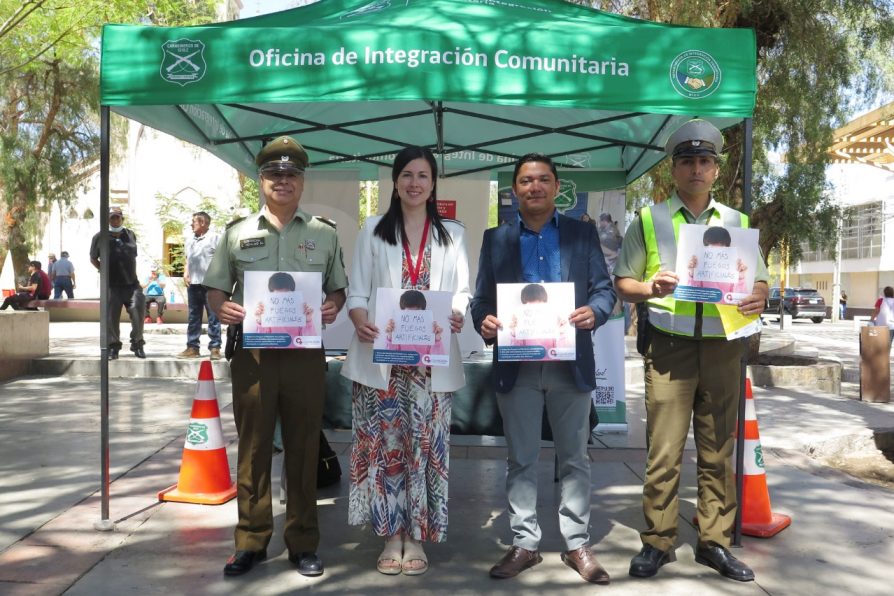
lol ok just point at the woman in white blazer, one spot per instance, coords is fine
(401, 414)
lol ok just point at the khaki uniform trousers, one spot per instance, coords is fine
(290, 383)
(696, 380)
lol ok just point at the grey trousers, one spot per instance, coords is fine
(568, 409)
(132, 299)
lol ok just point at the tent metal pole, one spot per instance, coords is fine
(740, 424)
(104, 524)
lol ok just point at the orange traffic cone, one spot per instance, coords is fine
(757, 518)
(205, 472)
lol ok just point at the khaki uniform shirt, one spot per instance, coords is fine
(306, 244)
(632, 260)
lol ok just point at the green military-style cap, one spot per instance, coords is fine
(696, 137)
(284, 154)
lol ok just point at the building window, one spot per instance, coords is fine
(862, 234)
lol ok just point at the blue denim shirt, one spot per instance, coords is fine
(540, 258)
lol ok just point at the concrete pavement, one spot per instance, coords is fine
(841, 539)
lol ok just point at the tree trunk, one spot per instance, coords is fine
(14, 228)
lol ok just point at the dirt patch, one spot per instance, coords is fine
(876, 468)
(868, 456)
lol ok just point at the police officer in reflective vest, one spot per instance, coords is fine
(285, 382)
(692, 371)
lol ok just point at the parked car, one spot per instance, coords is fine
(800, 303)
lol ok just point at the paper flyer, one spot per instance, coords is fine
(414, 327)
(735, 324)
(535, 321)
(715, 264)
(282, 310)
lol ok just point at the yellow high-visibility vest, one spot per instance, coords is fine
(660, 232)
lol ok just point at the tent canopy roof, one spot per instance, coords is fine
(479, 81)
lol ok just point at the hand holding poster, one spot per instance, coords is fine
(280, 310)
(535, 322)
(414, 327)
(715, 264)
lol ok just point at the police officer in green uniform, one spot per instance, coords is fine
(266, 383)
(692, 371)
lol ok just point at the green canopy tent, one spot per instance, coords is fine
(480, 82)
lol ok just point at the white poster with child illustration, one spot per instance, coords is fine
(414, 327)
(282, 310)
(715, 264)
(535, 322)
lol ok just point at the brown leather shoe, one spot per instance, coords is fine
(514, 562)
(584, 562)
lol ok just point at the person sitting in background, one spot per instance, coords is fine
(37, 288)
(154, 289)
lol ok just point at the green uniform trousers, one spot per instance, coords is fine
(698, 380)
(290, 383)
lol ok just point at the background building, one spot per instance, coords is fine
(862, 179)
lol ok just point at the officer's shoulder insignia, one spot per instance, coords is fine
(325, 220)
(234, 222)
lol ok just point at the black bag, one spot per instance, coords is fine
(328, 468)
(643, 329)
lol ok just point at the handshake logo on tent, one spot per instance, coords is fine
(183, 61)
(695, 74)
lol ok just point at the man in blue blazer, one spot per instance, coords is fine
(542, 246)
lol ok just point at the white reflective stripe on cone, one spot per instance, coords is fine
(750, 413)
(206, 390)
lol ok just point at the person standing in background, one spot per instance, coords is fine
(124, 285)
(64, 277)
(883, 315)
(199, 250)
(51, 267)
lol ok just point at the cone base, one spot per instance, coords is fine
(776, 525)
(174, 495)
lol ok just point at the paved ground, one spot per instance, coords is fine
(841, 539)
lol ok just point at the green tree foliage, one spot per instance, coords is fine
(820, 62)
(49, 90)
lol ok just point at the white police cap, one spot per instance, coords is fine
(696, 137)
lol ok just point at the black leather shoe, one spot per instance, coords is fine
(650, 560)
(113, 353)
(309, 564)
(720, 559)
(243, 561)
(138, 352)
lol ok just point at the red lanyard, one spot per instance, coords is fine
(414, 271)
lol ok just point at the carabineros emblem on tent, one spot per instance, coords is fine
(695, 74)
(567, 197)
(183, 61)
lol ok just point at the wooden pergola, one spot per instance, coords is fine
(868, 139)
